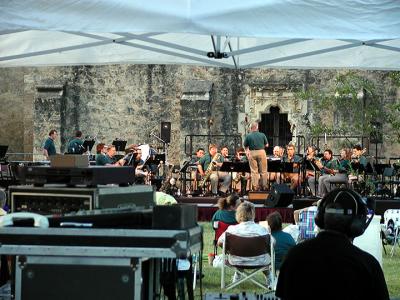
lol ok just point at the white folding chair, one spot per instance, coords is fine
(392, 228)
(248, 247)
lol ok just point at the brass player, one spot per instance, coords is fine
(208, 167)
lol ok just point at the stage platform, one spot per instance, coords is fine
(207, 206)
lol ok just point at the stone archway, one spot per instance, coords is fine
(276, 126)
(261, 98)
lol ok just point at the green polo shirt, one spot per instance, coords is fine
(50, 147)
(102, 160)
(255, 140)
(75, 146)
(329, 164)
(344, 166)
(206, 160)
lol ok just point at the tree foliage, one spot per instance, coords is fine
(350, 105)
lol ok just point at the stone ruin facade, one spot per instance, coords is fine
(203, 104)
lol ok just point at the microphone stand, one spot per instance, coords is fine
(165, 149)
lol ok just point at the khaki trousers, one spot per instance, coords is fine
(258, 168)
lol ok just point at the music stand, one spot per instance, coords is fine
(287, 167)
(274, 166)
(356, 166)
(88, 145)
(235, 166)
(379, 168)
(119, 145)
(311, 165)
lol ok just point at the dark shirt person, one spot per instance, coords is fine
(101, 150)
(209, 165)
(358, 156)
(330, 266)
(49, 148)
(295, 176)
(107, 159)
(283, 240)
(75, 146)
(255, 143)
(226, 209)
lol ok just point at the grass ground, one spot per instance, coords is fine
(211, 280)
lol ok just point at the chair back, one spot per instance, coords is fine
(307, 223)
(220, 227)
(247, 246)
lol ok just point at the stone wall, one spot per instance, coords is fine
(130, 102)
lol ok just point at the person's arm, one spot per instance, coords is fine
(46, 154)
(120, 163)
(220, 161)
(200, 166)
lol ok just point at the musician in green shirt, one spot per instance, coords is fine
(341, 173)
(208, 167)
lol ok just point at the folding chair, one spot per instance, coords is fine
(219, 228)
(248, 247)
(392, 228)
(307, 224)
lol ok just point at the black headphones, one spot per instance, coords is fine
(332, 214)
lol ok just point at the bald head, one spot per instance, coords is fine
(254, 126)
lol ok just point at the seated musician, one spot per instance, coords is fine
(208, 167)
(141, 174)
(294, 177)
(308, 170)
(106, 156)
(241, 180)
(342, 169)
(276, 155)
(130, 153)
(195, 175)
(358, 156)
(326, 165)
(359, 165)
(225, 153)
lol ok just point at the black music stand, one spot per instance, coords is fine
(235, 166)
(274, 166)
(356, 166)
(311, 165)
(119, 145)
(287, 167)
(88, 145)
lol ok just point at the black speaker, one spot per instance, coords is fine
(166, 131)
(178, 216)
(376, 133)
(281, 196)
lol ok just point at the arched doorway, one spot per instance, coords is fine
(276, 127)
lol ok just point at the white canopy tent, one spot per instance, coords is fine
(362, 34)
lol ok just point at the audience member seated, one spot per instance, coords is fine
(245, 215)
(330, 266)
(226, 209)
(283, 241)
(304, 219)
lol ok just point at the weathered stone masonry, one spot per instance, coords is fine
(130, 101)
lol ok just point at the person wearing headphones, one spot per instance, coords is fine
(329, 266)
